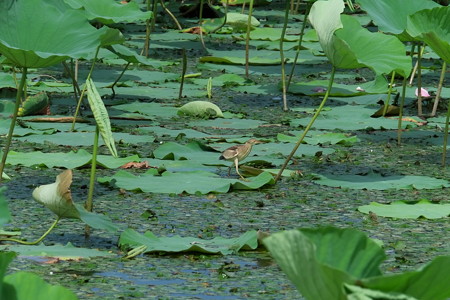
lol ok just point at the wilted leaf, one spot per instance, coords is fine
(202, 109)
(57, 196)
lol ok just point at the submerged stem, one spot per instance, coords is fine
(308, 127)
(36, 241)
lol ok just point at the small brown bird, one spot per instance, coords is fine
(238, 153)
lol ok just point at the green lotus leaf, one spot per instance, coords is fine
(108, 12)
(347, 45)
(319, 261)
(202, 109)
(403, 210)
(41, 33)
(391, 15)
(432, 26)
(132, 239)
(25, 285)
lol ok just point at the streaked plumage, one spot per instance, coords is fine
(238, 153)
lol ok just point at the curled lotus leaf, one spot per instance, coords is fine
(57, 196)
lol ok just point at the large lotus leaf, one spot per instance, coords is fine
(5, 215)
(362, 256)
(391, 15)
(375, 181)
(403, 210)
(432, 26)
(295, 253)
(347, 45)
(325, 16)
(380, 52)
(26, 286)
(5, 259)
(428, 283)
(40, 33)
(132, 239)
(355, 292)
(67, 252)
(108, 12)
(194, 182)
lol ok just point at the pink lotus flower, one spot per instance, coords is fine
(423, 92)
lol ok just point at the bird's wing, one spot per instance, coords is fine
(230, 153)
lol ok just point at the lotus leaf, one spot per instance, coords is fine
(193, 182)
(403, 210)
(432, 26)
(347, 45)
(108, 12)
(67, 252)
(202, 109)
(391, 15)
(132, 239)
(41, 33)
(375, 181)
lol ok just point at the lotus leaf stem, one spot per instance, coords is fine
(400, 113)
(118, 78)
(83, 91)
(388, 99)
(247, 38)
(308, 127)
(183, 73)
(439, 89)
(171, 15)
(36, 241)
(283, 62)
(13, 120)
(89, 202)
(444, 151)
(300, 41)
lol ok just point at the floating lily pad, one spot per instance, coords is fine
(228, 123)
(67, 252)
(403, 210)
(375, 181)
(69, 160)
(354, 117)
(132, 239)
(195, 182)
(150, 109)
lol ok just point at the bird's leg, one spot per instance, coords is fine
(236, 163)
(229, 170)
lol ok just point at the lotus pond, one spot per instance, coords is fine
(168, 222)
